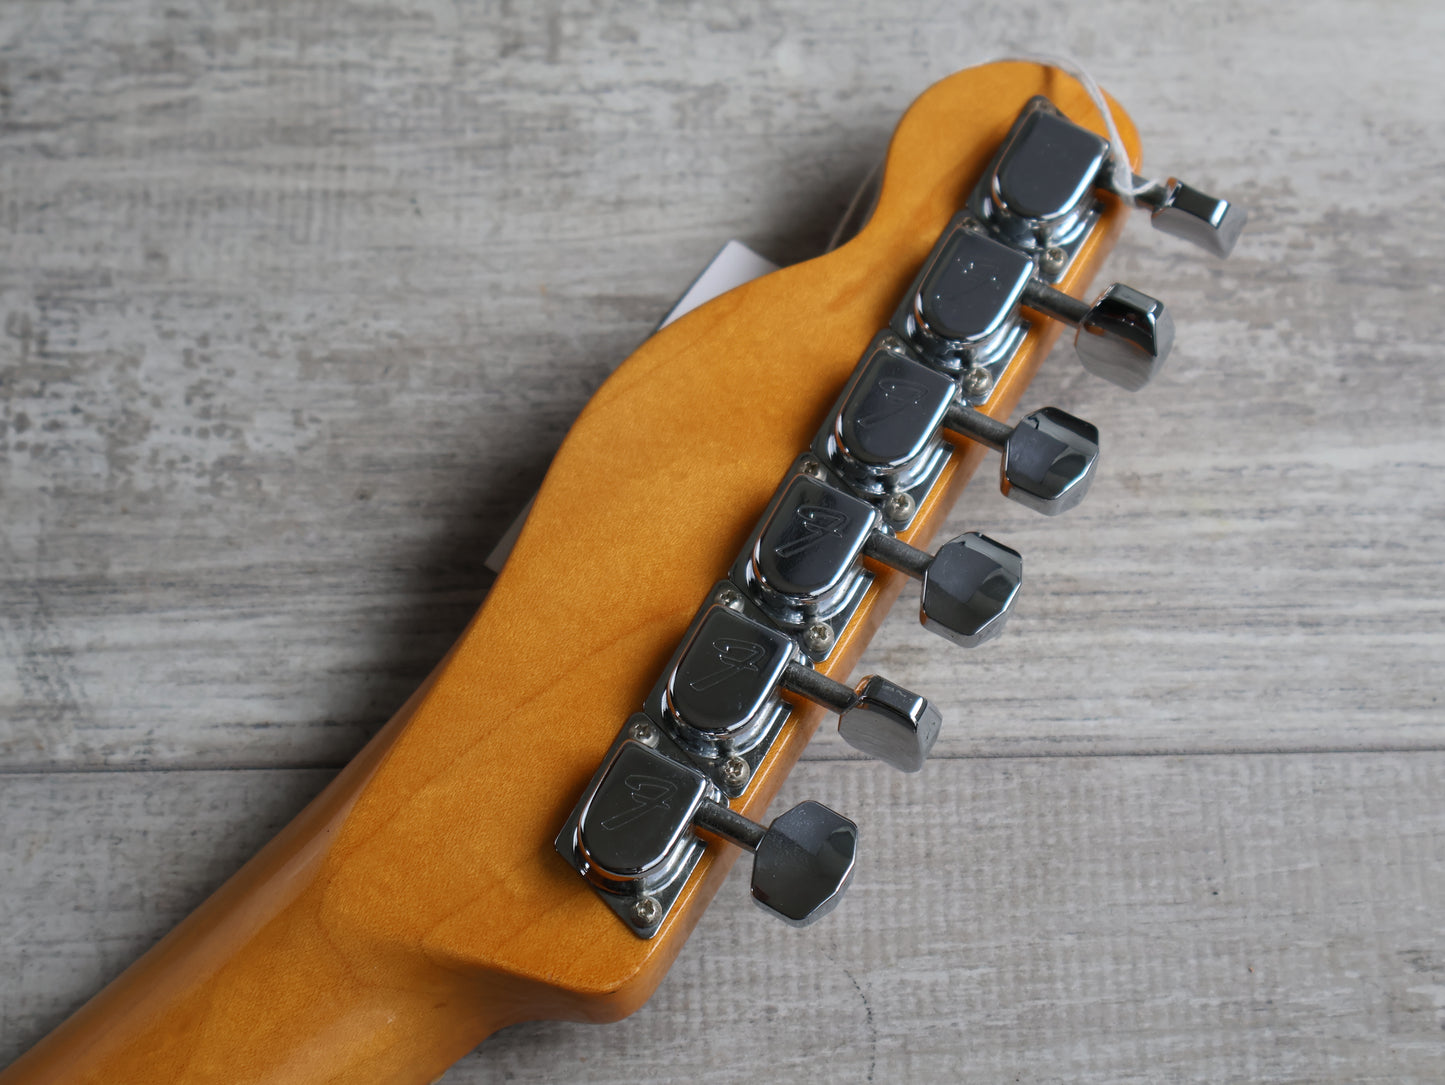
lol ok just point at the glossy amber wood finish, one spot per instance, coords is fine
(417, 904)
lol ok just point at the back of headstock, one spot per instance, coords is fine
(418, 904)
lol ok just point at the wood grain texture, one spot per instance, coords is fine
(298, 299)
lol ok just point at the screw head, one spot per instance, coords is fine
(735, 771)
(978, 381)
(1054, 259)
(818, 637)
(730, 598)
(642, 731)
(811, 467)
(645, 911)
(899, 508)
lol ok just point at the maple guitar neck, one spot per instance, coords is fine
(417, 905)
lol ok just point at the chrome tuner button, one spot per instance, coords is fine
(1207, 221)
(969, 584)
(1048, 458)
(1039, 194)
(803, 863)
(1124, 336)
(732, 671)
(890, 723)
(639, 827)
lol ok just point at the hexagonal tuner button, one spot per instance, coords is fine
(890, 723)
(802, 862)
(969, 585)
(1048, 458)
(1123, 337)
(1182, 210)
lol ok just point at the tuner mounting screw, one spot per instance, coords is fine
(730, 598)
(899, 508)
(818, 637)
(735, 772)
(1053, 260)
(642, 731)
(977, 382)
(811, 467)
(645, 911)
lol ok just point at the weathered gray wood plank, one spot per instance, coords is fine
(1119, 919)
(1201, 919)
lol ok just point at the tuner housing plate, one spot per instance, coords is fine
(622, 896)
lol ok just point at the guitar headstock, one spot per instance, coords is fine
(739, 505)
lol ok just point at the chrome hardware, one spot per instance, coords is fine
(886, 433)
(962, 310)
(709, 723)
(1048, 458)
(802, 863)
(1123, 337)
(807, 556)
(976, 384)
(636, 840)
(642, 730)
(803, 566)
(899, 509)
(726, 727)
(818, 639)
(726, 685)
(1038, 193)
(636, 853)
(1207, 221)
(888, 722)
(969, 585)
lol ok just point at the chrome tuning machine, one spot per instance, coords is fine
(883, 435)
(806, 565)
(635, 836)
(1039, 192)
(726, 683)
(964, 311)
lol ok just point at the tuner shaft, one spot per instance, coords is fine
(730, 825)
(1055, 303)
(981, 427)
(897, 554)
